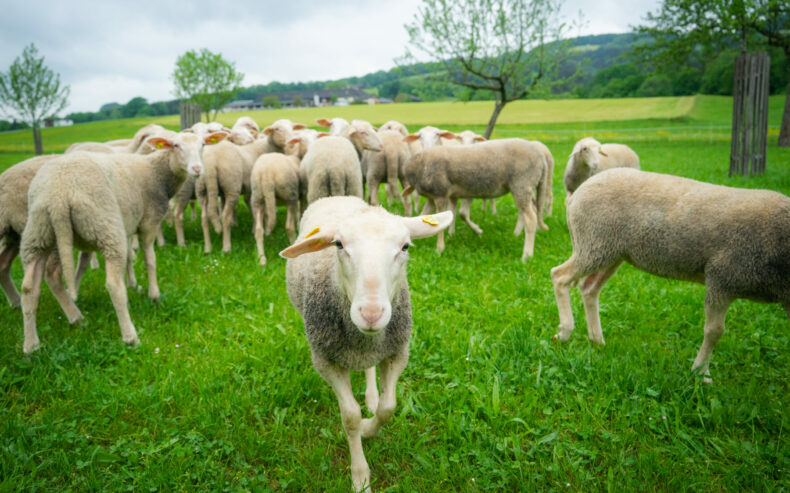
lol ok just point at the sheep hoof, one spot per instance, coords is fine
(543, 226)
(707, 380)
(78, 320)
(29, 348)
(262, 260)
(132, 342)
(368, 428)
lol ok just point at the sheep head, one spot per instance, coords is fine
(186, 149)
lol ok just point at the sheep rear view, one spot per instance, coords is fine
(734, 241)
(346, 275)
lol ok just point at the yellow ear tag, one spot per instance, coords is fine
(311, 233)
(160, 144)
(213, 140)
(430, 220)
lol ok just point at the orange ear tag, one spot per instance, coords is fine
(311, 233)
(430, 220)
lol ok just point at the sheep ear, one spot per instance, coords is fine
(214, 138)
(424, 226)
(411, 138)
(315, 240)
(159, 143)
(600, 151)
(323, 122)
(299, 126)
(321, 135)
(407, 191)
(294, 141)
(480, 139)
(268, 130)
(448, 135)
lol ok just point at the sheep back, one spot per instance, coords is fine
(332, 168)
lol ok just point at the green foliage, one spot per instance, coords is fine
(271, 102)
(31, 91)
(206, 78)
(401, 98)
(221, 395)
(655, 86)
(298, 101)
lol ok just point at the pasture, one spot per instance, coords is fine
(221, 394)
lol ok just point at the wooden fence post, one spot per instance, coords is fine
(190, 113)
(749, 114)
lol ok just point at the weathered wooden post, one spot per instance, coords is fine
(749, 114)
(190, 113)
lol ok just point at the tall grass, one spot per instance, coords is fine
(221, 394)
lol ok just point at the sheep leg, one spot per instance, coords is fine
(85, 259)
(493, 206)
(530, 221)
(94, 261)
(590, 288)
(442, 204)
(147, 240)
(135, 242)
(130, 277)
(715, 311)
(52, 272)
(193, 215)
(160, 237)
(391, 369)
(7, 255)
(31, 290)
(563, 277)
(114, 266)
(466, 205)
(429, 206)
(228, 214)
(373, 192)
(351, 415)
(178, 221)
(454, 208)
(371, 390)
(204, 223)
(257, 224)
(292, 212)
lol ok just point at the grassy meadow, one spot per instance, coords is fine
(221, 394)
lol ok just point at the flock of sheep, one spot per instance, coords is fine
(346, 268)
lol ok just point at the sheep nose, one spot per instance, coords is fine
(197, 170)
(371, 313)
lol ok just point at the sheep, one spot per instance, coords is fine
(429, 137)
(354, 300)
(387, 166)
(228, 172)
(586, 160)
(485, 170)
(203, 129)
(414, 146)
(337, 126)
(734, 241)
(14, 185)
(244, 131)
(275, 181)
(331, 165)
(97, 202)
(119, 146)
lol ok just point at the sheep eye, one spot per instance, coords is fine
(405, 248)
(339, 245)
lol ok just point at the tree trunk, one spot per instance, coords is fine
(784, 132)
(37, 139)
(497, 110)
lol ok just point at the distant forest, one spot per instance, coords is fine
(606, 72)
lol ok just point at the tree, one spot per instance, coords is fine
(512, 48)
(298, 101)
(206, 78)
(32, 91)
(692, 31)
(271, 102)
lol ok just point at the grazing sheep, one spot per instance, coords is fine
(590, 157)
(486, 170)
(96, 202)
(354, 300)
(337, 126)
(331, 165)
(275, 181)
(387, 166)
(733, 240)
(14, 185)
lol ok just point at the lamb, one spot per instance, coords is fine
(734, 241)
(354, 300)
(244, 131)
(331, 165)
(387, 166)
(97, 202)
(275, 181)
(586, 160)
(397, 126)
(485, 170)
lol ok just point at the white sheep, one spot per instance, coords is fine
(590, 157)
(346, 276)
(132, 145)
(337, 126)
(97, 202)
(486, 170)
(275, 181)
(387, 166)
(733, 240)
(244, 131)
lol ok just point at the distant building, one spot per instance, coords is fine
(242, 105)
(324, 97)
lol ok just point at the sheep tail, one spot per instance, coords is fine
(542, 191)
(547, 179)
(64, 239)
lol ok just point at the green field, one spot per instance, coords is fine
(221, 394)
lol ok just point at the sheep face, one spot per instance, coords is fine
(364, 137)
(429, 137)
(186, 149)
(372, 251)
(468, 137)
(589, 151)
(242, 136)
(396, 127)
(280, 132)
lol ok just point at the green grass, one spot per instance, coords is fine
(221, 394)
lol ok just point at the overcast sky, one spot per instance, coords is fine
(112, 51)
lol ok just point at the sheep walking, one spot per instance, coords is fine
(346, 275)
(486, 170)
(590, 157)
(96, 202)
(387, 166)
(734, 241)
